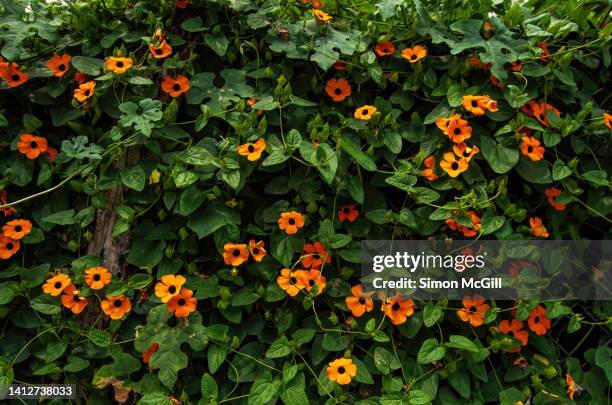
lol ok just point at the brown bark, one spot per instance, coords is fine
(112, 250)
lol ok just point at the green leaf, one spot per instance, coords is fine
(89, 66)
(77, 148)
(560, 170)
(432, 314)
(61, 218)
(215, 356)
(461, 342)
(454, 95)
(534, 172)
(355, 152)
(234, 89)
(430, 351)
(389, 8)
(214, 216)
(418, 397)
(141, 116)
(279, 348)
(210, 390)
(134, 177)
(385, 361)
(263, 390)
(217, 42)
(500, 158)
(327, 48)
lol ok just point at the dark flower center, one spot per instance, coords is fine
(395, 306)
(87, 92)
(117, 303)
(58, 285)
(158, 51)
(454, 165)
(341, 370)
(362, 300)
(292, 280)
(337, 91)
(61, 67)
(386, 50)
(181, 302)
(311, 283)
(33, 144)
(457, 131)
(236, 252)
(172, 289)
(474, 103)
(472, 309)
(176, 87)
(536, 319)
(18, 228)
(364, 112)
(120, 64)
(291, 221)
(251, 148)
(346, 210)
(529, 149)
(255, 251)
(511, 333)
(15, 77)
(96, 277)
(10, 246)
(76, 298)
(466, 153)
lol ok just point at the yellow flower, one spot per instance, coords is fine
(154, 177)
(365, 112)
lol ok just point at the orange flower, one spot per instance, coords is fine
(464, 151)
(537, 228)
(321, 16)
(514, 330)
(538, 322)
(85, 91)
(517, 66)
(338, 90)
(72, 300)
(8, 247)
(348, 213)
(540, 112)
(398, 309)
(341, 371)
(545, 56)
(360, 302)
(17, 228)
(340, 66)
(312, 278)
(531, 147)
(146, 356)
(252, 151)
(169, 287)
(528, 108)
(235, 254)
(4, 200)
(385, 48)
(572, 387)
(552, 193)
(607, 119)
(365, 112)
(257, 250)
(9, 71)
(492, 105)
(521, 362)
(471, 232)
(51, 153)
(415, 54)
(290, 222)
(161, 51)
(291, 282)
(473, 310)
(475, 104)
(56, 284)
(31, 145)
(59, 65)
(119, 65)
(496, 82)
(97, 277)
(116, 307)
(429, 172)
(175, 87)
(182, 3)
(452, 166)
(459, 130)
(315, 254)
(443, 123)
(79, 77)
(183, 304)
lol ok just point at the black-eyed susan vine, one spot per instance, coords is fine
(184, 186)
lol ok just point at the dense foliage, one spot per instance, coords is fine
(185, 185)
